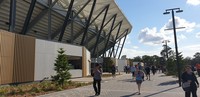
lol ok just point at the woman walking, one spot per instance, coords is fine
(97, 79)
(139, 79)
(189, 77)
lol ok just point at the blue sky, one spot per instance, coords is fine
(148, 21)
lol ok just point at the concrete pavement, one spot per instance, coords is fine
(123, 86)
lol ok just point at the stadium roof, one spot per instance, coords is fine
(91, 23)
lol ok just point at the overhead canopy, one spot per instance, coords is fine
(47, 20)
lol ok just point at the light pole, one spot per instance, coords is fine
(166, 47)
(177, 10)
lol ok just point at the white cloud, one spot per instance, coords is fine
(150, 36)
(130, 53)
(189, 27)
(154, 37)
(127, 41)
(135, 47)
(190, 50)
(181, 37)
(193, 2)
(198, 35)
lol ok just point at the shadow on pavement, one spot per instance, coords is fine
(161, 92)
(162, 76)
(127, 80)
(168, 83)
(130, 95)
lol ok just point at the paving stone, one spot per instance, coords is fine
(124, 86)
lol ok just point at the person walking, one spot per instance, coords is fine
(189, 77)
(97, 72)
(147, 70)
(133, 69)
(113, 70)
(153, 69)
(139, 79)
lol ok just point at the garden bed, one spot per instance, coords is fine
(35, 89)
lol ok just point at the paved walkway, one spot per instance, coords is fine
(123, 86)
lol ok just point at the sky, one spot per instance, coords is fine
(149, 26)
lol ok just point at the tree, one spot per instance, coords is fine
(172, 66)
(166, 52)
(108, 62)
(137, 59)
(197, 55)
(61, 67)
(147, 59)
(156, 60)
(197, 58)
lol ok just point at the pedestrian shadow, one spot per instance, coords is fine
(168, 83)
(163, 75)
(130, 95)
(127, 80)
(161, 92)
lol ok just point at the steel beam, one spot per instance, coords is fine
(105, 8)
(66, 20)
(28, 17)
(110, 32)
(49, 19)
(102, 39)
(117, 48)
(88, 22)
(123, 43)
(112, 28)
(72, 28)
(116, 38)
(75, 15)
(90, 39)
(12, 16)
(101, 28)
(40, 16)
(93, 36)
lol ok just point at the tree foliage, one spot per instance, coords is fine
(196, 57)
(108, 62)
(137, 59)
(61, 67)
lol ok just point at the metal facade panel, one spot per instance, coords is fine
(6, 56)
(24, 59)
(59, 10)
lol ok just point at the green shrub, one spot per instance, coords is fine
(20, 90)
(35, 89)
(59, 88)
(62, 68)
(3, 92)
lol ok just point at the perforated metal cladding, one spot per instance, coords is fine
(24, 59)
(6, 56)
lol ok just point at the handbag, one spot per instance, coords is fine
(186, 86)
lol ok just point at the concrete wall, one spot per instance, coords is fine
(46, 53)
(121, 64)
(25, 59)
(76, 73)
(88, 63)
